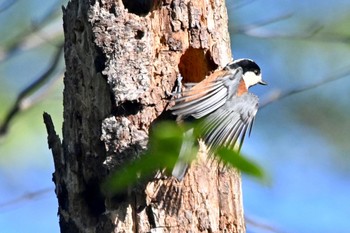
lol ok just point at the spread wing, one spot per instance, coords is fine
(207, 96)
(230, 122)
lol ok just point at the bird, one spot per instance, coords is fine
(222, 105)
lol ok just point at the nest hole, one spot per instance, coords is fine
(195, 65)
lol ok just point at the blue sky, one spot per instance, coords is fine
(300, 141)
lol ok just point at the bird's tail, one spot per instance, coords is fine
(185, 155)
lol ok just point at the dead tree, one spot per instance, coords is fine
(122, 57)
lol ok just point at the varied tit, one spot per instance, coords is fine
(223, 105)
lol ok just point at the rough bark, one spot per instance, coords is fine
(121, 63)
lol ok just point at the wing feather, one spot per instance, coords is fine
(190, 95)
(230, 122)
(208, 95)
(207, 103)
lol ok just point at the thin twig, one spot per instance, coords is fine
(18, 106)
(262, 23)
(237, 5)
(22, 38)
(281, 95)
(262, 226)
(25, 197)
(6, 5)
(311, 34)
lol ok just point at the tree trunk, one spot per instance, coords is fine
(122, 58)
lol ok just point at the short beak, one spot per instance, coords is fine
(262, 82)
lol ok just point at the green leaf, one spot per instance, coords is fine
(235, 159)
(163, 150)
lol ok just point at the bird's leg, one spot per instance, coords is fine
(178, 87)
(176, 92)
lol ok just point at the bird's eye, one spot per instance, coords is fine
(256, 72)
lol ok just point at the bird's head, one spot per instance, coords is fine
(251, 71)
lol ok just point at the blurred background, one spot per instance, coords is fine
(301, 141)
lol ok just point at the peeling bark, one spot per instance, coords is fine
(121, 63)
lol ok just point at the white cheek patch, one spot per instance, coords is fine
(250, 79)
